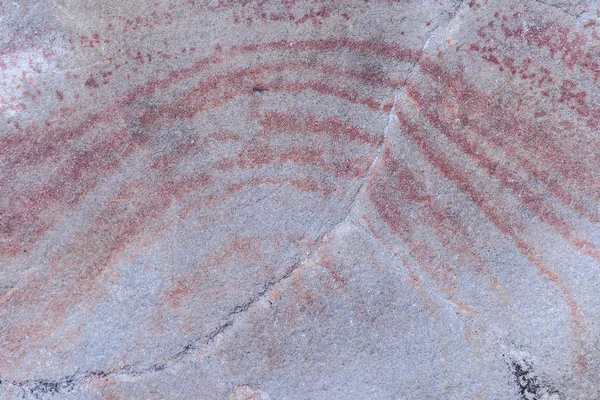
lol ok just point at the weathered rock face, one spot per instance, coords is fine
(299, 199)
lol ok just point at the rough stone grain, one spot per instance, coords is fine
(299, 199)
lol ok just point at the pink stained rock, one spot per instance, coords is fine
(299, 199)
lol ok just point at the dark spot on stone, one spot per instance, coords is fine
(39, 388)
(531, 386)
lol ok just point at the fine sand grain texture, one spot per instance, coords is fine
(300, 199)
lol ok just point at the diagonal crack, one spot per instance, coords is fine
(391, 116)
(40, 387)
(556, 6)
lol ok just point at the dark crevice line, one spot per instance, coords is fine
(555, 6)
(69, 383)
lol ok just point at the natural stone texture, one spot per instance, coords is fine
(299, 199)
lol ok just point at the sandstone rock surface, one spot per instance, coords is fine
(299, 199)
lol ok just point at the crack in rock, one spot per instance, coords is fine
(39, 388)
(556, 6)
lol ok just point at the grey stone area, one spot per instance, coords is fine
(284, 199)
